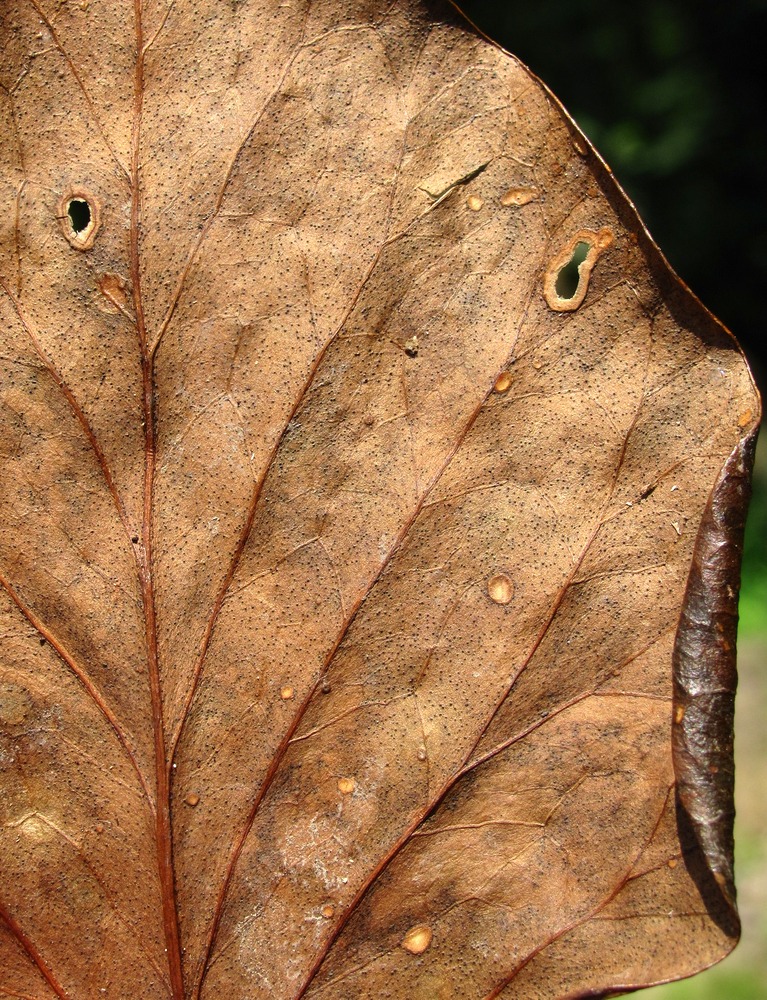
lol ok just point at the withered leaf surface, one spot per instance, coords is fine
(357, 448)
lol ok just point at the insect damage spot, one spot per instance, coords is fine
(78, 214)
(114, 288)
(516, 197)
(567, 279)
(417, 939)
(745, 418)
(500, 589)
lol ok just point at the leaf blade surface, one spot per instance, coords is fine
(332, 519)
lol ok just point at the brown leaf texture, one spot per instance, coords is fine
(372, 496)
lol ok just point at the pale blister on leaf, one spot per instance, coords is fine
(358, 447)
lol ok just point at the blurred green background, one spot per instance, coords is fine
(672, 94)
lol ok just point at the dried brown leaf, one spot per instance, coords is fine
(358, 447)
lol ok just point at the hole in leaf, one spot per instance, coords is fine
(569, 276)
(79, 212)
